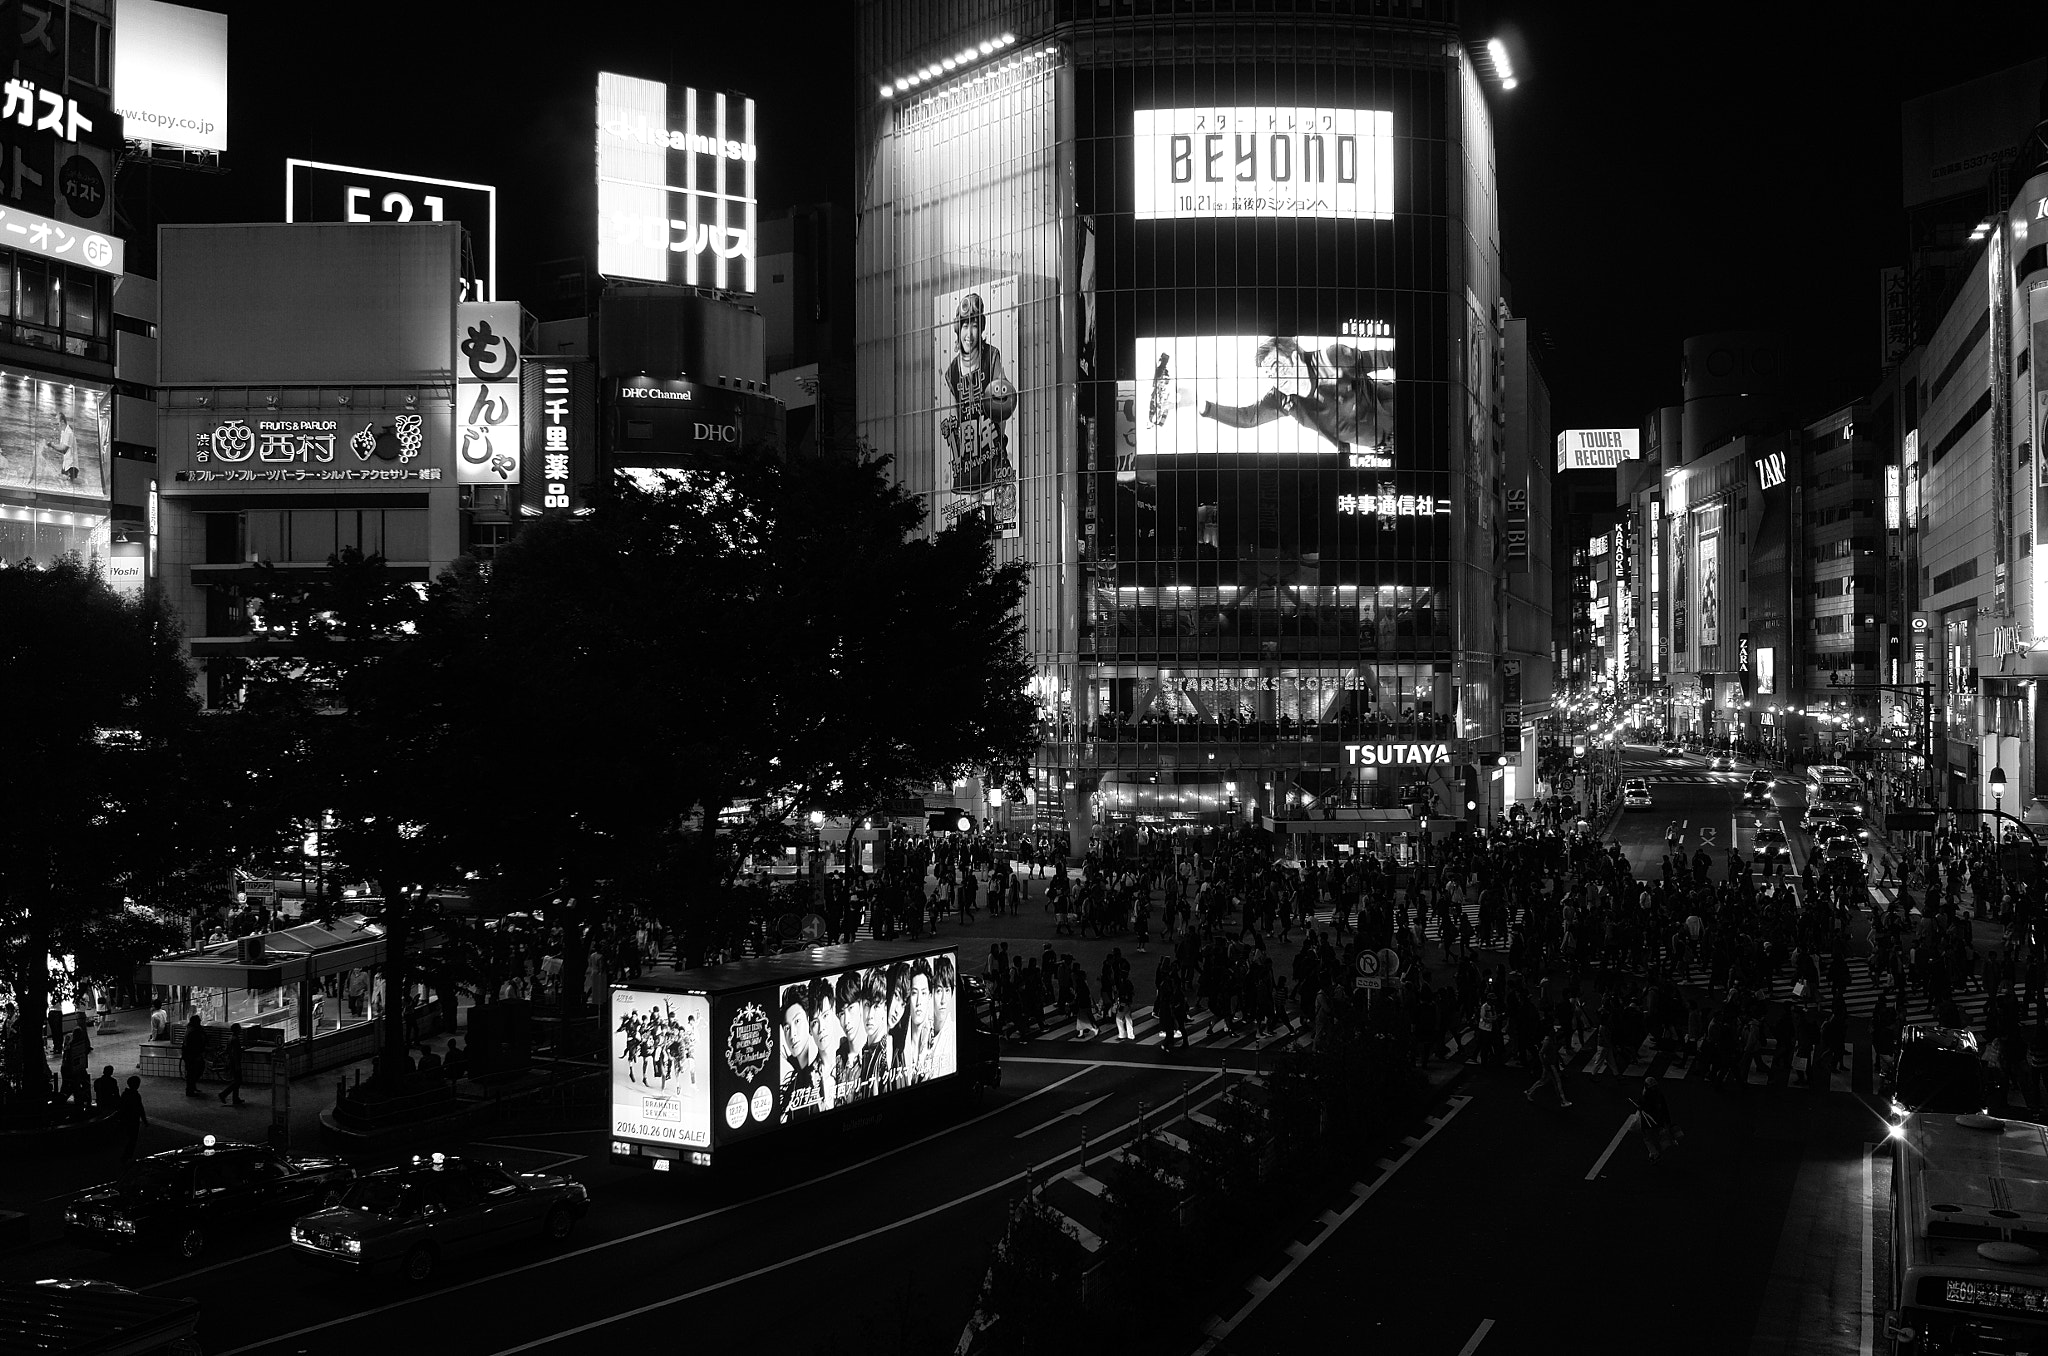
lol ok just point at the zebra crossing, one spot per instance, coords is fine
(1854, 1074)
(1202, 1029)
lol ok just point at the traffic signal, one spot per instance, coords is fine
(1470, 773)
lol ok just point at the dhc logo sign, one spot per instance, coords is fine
(1373, 755)
(1770, 470)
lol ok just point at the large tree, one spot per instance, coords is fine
(104, 726)
(764, 631)
(361, 731)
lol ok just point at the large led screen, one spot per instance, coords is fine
(974, 341)
(860, 1034)
(1267, 395)
(1264, 161)
(53, 436)
(1710, 588)
(661, 1076)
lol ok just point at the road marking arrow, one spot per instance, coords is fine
(1080, 1110)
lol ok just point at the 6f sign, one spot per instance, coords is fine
(320, 192)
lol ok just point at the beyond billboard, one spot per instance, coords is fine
(171, 75)
(1598, 449)
(1263, 161)
(1268, 395)
(675, 184)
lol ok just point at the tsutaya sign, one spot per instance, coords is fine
(1373, 755)
(1598, 449)
(675, 184)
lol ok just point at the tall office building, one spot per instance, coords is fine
(1203, 312)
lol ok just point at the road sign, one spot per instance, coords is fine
(1366, 982)
(1368, 964)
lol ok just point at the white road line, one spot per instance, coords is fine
(1485, 1326)
(1869, 1281)
(773, 1267)
(657, 1229)
(1220, 1328)
(230, 1262)
(558, 1156)
(1612, 1145)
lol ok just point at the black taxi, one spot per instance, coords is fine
(410, 1217)
(177, 1198)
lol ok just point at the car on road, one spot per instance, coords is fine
(1758, 792)
(1771, 847)
(180, 1197)
(413, 1216)
(1635, 794)
(1723, 762)
(1844, 848)
(1937, 1070)
(1852, 826)
(1671, 746)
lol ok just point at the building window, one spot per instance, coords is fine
(56, 307)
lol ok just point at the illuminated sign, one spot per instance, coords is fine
(1770, 470)
(44, 110)
(171, 75)
(1597, 546)
(126, 572)
(1376, 755)
(561, 431)
(487, 397)
(1266, 395)
(675, 184)
(1598, 449)
(1273, 683)
(1388, 505)
(1766, 670)
(1892, 498)
(1193, 163)
(1515, 528)
(675, 417)
(314, 191)
(661, 1080)
(1742, 653)
(54, 437)
(302, 448)
(54, 240)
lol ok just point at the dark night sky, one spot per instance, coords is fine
(1734, 168)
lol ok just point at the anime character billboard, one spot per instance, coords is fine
(975, 398)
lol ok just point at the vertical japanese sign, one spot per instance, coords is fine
(974, 332)
(1511, 706)
(486, 392)
(1898, 335)
(1710, 588)
(561, 432)
(1678, 587)
(1517, 531)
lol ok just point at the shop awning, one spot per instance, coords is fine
(306, 951)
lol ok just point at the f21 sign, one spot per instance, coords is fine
(314, 191)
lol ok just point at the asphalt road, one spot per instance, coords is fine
(1497, 1226)
(882, 1231)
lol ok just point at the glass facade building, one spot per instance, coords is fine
(1200, 303)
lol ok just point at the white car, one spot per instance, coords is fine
(1635, 798)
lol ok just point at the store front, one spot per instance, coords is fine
(309, 995)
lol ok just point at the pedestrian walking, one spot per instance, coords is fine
(231, 1058)
(1125, 1028)
(1654, 1120)
(193, 1053)
(1550, 1068)
(75, 1089)
(130, 1119)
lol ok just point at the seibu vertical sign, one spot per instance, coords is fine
(1516, 528)
(487, 392)
(561, 433)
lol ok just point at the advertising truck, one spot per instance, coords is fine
(704, 1060)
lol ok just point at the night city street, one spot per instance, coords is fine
(1023, 678)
